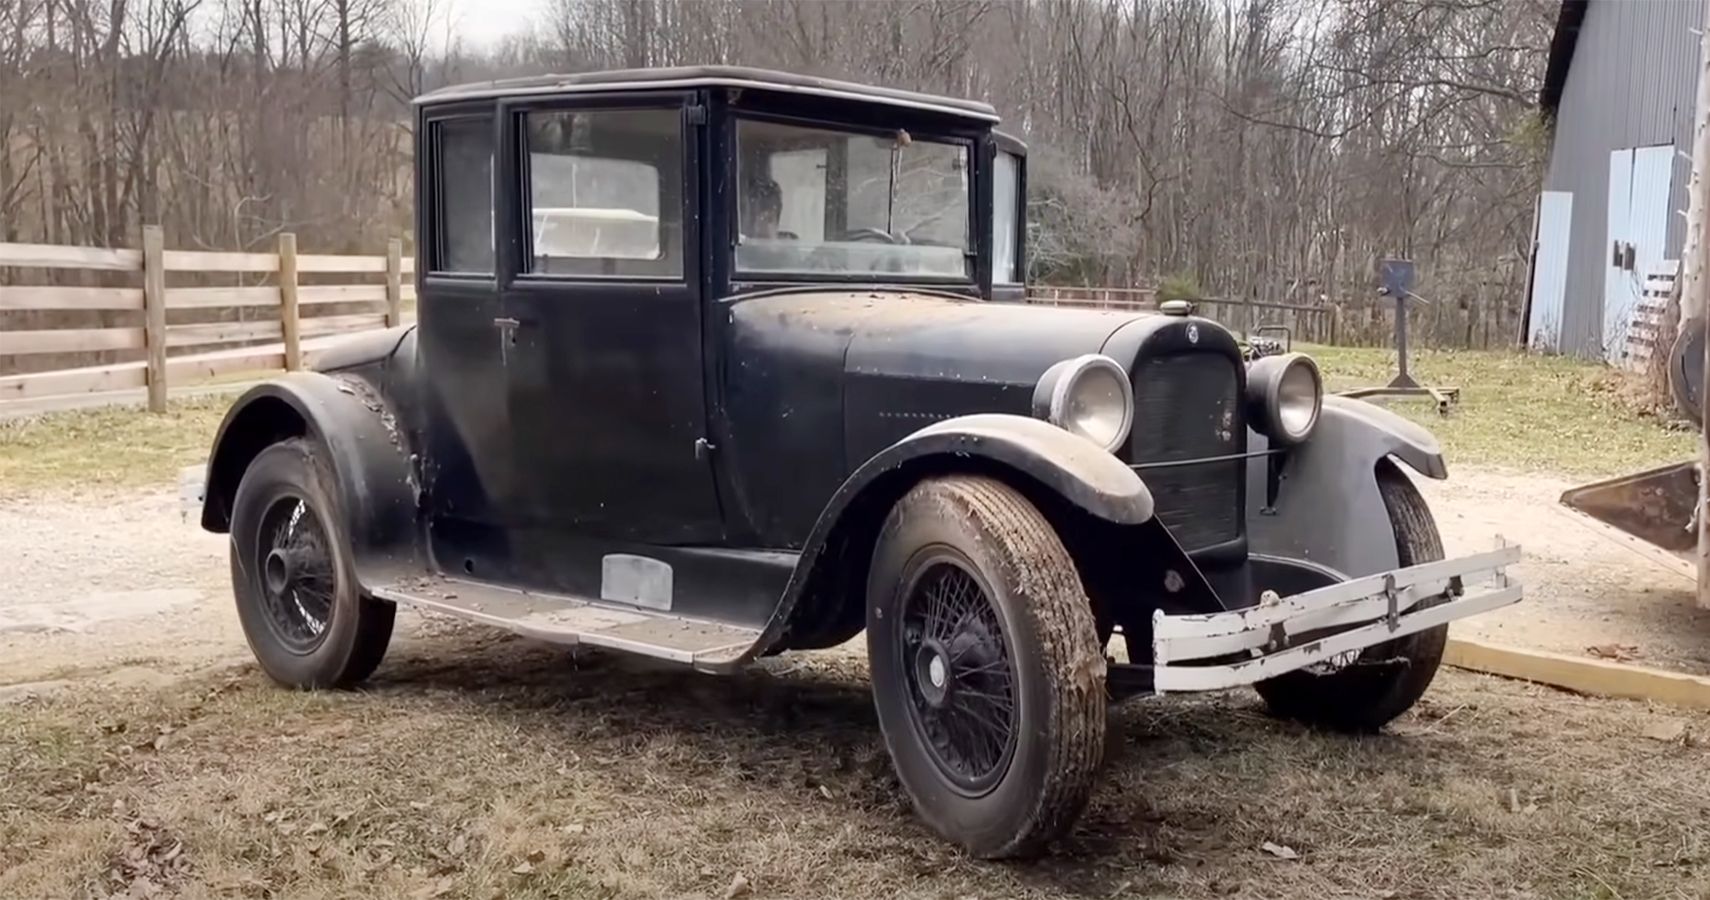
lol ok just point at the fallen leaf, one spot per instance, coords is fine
(825, 792)
(1279, 851)
(739, 887)
(1513, 800)
(574, 828)
(433, 889)
(316, 828)
(458, 845)
(1617, 652)
(1669, 731)
(523, 868)
(536, 856)
(112, 727)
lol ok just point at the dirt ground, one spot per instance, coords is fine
(145, 754)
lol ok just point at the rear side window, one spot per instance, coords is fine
(605, 192)
(463, 211)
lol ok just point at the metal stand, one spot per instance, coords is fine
(1396, 275)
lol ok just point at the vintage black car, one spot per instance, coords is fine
(716, 363)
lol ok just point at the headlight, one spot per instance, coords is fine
(1089, 396)
(1284, 395)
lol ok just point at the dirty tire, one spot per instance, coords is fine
(288, 514)
(1029, 622)
(1365, 698)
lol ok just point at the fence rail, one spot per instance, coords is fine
(1311, 323)
(185, 332)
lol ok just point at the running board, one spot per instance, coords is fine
(563, 619)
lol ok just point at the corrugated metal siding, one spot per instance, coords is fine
(1633, 83)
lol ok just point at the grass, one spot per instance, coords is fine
(107, 447)
(488, 767)
(1524, 412)
(1527, 412)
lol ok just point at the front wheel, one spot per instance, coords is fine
(986, 667)
(1386, 679)
(302, 610)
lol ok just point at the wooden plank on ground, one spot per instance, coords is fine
(221, 333)
(69, 340)
(1597, 677)
(204, 261)
(310, 262)
(324, 325)
(51, 256)
(216, 297)
(90, 380)
(54, 297)
(315, 294)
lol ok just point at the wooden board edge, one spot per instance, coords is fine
(1594, 677)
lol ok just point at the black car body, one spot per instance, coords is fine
(681, 369)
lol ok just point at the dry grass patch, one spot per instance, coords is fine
(107, 447)
(483, 766)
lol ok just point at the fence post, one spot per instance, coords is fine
(1335, 324)
(394, 283)
(288, 319)
(154, 314)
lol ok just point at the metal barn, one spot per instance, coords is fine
(1620, 89)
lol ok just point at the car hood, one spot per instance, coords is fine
(902, 360)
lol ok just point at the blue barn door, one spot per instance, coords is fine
(1639, 181)
(1549, 270)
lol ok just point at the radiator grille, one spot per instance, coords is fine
(1187, 407)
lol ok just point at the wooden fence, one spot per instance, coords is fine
(1321, 324)
(159, 305)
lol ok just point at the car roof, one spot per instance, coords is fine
(711, 76)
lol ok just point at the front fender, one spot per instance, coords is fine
(1328, 510)
(365, 444)
(1080, 471)
(824, 602)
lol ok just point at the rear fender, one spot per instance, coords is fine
(365, 445)
(1328, 510)
(1080, 487)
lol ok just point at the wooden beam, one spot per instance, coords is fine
(201, 367)
(50, 256)
(154, 306)
(221, 333)
(316, 294)
(119, 376)
(14, 297)
(203, 261)
(219, 297)
(318, 326)
(331, 263)
(69, 340)
(288, 301)
(1597, 677)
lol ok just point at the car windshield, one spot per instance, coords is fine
(817, 201)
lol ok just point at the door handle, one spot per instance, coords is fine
(507, 331)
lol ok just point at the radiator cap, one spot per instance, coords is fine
(1176, 307)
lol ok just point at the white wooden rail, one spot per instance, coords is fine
(305, 320)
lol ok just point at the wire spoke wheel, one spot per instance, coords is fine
(961, 681)
(297, 578)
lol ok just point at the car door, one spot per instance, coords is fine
(469, 478)
(606, 393)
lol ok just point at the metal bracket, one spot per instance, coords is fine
(1393, 617)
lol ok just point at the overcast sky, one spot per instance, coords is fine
(481, 23)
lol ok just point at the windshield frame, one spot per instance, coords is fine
(973, 254)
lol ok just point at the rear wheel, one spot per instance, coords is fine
(986, 667)
(297, 596)
(1386, 679)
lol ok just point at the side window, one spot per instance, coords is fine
(1006, 219)
(605, 192)
(463, 150)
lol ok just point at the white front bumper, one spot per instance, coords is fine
(1270, 638)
